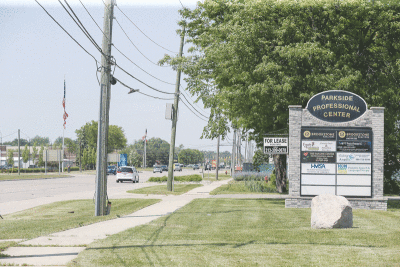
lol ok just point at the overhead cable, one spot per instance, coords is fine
(80, 25)
(121, 51)
(194, 107)
(143, 32)
(138, 91)
(183, 92)
(136, 46)
(193, 111)
(160, 91)
(66, 32)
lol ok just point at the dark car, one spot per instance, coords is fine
(112, 169)
(164, 167)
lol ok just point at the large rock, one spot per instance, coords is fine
(330, 211)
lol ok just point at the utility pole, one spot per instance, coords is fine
(216, 173)
(19, 154)
(174, 120)
(102, 136)
(233, 152)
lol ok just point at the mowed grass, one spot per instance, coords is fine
(5, 177)
(238, 187)
(211, 176)
(179, 189)
(249, 232)
(63, 215)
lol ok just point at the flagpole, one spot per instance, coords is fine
(62, 157)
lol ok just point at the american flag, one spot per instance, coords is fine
(65, 116)
(144, 137)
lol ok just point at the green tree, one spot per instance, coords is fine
(87, 135)
(134, 158)
(40, 160)
(34, 153)
(190, 156)
(40, 140)
(251, 59)
(22, 142)
(259, 158)
(10, 157)
(70, 145)
(25, 154)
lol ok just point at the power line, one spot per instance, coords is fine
(80, 25)
(9, 135)
(182, 91)
(132, 60)
(142, 81)
(137, 91)
(137, 47)
(144, 33)
(66, 32)
(193, 111)
(194, 107)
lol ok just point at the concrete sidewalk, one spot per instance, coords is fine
(73, 241)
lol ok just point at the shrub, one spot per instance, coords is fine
(186, 178)
(249, 176)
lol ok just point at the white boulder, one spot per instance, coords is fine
(330, 211)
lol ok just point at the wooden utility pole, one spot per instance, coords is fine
(216, 172)
(19, 153)
(102, 136)
(174, 120)
(233, 153)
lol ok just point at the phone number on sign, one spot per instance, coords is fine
(275, 150)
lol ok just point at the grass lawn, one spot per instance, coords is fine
(249, 232)
(212, 176)
(238, 187)
(58, 216)
(5, 245)
(4, 177)
(179, 189)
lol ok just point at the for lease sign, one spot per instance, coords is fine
(276, 145)
(276, 141)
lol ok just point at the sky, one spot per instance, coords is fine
(37, 55)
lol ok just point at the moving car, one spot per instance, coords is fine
(157, 169)
(196, 167)
(126, 173)
(112, 169)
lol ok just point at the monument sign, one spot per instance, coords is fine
(336, 147)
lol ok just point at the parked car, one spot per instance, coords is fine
(178, 167)
(6, 167)
(196, 167)
(164, 167)
(157, 169)
(32, 167)
(112, 169)
(126, 173)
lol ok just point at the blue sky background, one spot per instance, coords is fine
(36, 54)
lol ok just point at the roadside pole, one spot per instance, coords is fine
(233, 153)
(174, 120)
(102, 136)
(19, 154)
(216, 173)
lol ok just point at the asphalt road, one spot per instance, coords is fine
(21, 194)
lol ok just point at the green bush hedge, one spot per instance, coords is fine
(186, 178)
(37, 170)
